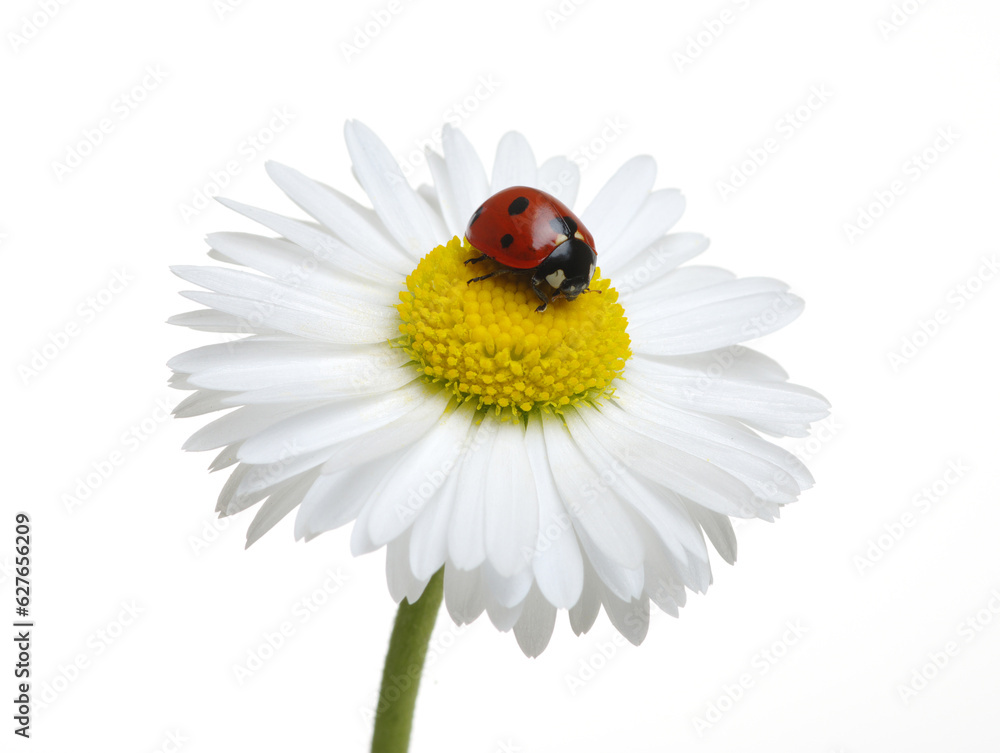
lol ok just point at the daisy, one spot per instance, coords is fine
(574, 459)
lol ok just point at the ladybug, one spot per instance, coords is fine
(527, 230)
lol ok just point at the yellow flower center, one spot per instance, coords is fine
(486, 342)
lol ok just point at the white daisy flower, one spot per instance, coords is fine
(568, 459)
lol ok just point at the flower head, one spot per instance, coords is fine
(570, 458)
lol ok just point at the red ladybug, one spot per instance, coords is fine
(527, 230)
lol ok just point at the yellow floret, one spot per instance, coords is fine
(487, 343)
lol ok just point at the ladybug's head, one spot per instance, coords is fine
(569, 268)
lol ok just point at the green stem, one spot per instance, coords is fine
(404, 665)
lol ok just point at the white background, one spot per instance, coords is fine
(558, 73)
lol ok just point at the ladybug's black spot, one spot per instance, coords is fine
(565, 225)
(518, 205)
(475, 216)
(506, 240)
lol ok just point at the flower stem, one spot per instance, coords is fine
(403, 667)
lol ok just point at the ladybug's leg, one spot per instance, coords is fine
(535, 282)
(477, 259)
(501, 271)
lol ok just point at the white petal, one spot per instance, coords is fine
(226, 457)
(401, 581)
(240, 424)
(594, 510)
(429, 537)
(630, 618)
(737, 363)
(693, 477)
(511, 502)
(658, 213)
(626, 583)
(515, 163)
(258, 316)
(332, 424)
(285, 261)
(467, 531)
(404, 214)
(322, 244)
(719, 530)
(333, 210)
(557, 562)
(656, 260)
(417, 476)
(293, 463)
(201, 402)
(277, 506)
(534, 627)
(723, 317)
(468, 178)
(335, 499)
(771, 406)
(584, 613)
(770, 471)
(396, 435)
(617, 202)
(507, 591)
(455, 221)
(561, 178)
(210, 320)
(693, 286)
(663, 583)
(502, 617)
(662, 510)
(325, 390)
(265, 291)
(464, 595)
(253, 364)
